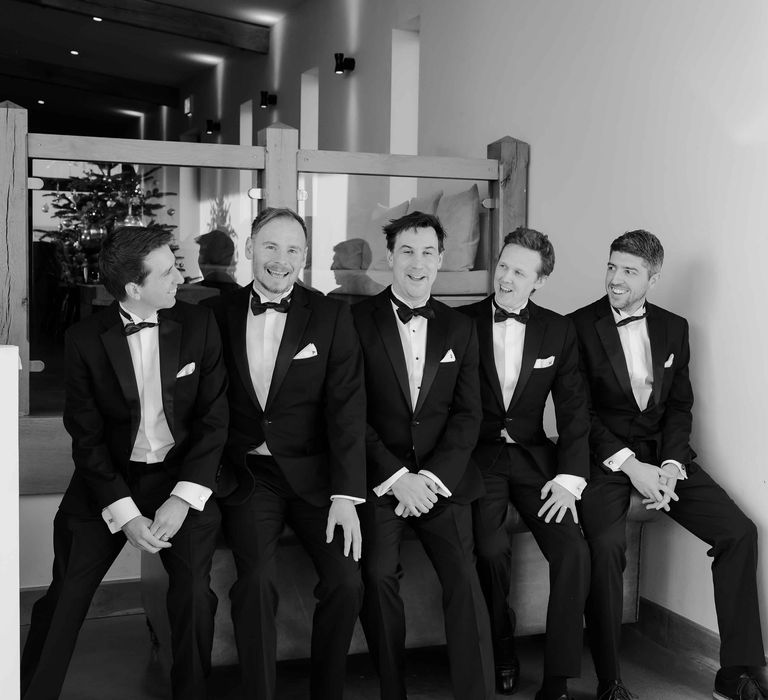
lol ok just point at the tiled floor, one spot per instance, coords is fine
(114, 660)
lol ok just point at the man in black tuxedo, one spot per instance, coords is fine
(526, 353)
(423, 420)
(634, 358)
(296, 450)
(146, 408)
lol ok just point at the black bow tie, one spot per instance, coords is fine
(500, 315)
(258, 307)
(629, 319)
(406, 313)
(130, 328)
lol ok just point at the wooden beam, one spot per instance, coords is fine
(101, 83)
(169, 19)
(280, 180)
(95, 149)
(510, 193)
(14, 236)
(444, 167)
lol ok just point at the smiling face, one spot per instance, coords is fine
(516, 276)
(627, 281)
(415, 260)
(158, 289)
(278, 252)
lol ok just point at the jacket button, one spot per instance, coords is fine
(414, 423)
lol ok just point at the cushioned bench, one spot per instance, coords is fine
(419, 587)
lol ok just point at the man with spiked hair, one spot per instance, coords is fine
(634, 359)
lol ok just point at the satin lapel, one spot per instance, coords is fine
(437, 332)
(169, 339)
(237, 315)
(657, 335)
(534, 335)
(298, 317)
(384, 319)
(609, 336)
(487, 358)
(116, 346)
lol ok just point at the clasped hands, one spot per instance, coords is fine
(415, 494)
(655, 484)
(153, 535)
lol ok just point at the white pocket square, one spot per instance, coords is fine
(307, 351)
(668, 363)
(449, 357)
(186, 370)
(544, 362)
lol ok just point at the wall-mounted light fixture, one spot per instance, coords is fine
(188, 106)
(343, 65)
(267, 100)
(212, 126)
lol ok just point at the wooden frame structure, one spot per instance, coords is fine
(279, 162)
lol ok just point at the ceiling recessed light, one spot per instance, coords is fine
(41, 102)
(74, 52)
(97, 19)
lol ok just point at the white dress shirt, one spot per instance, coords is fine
(413, 338)
(508, 342)
(636, 345)
(263, 334)
(153, 439)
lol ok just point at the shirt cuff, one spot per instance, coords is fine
(117, 514)
(441, 489)
(384, 486)
(571, 482)
(357, 501)
(680, 467)
(193, 494)
(615, 461)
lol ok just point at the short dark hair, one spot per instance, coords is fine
(644, 245)
(272, 213)
(122, 255)
(416, 219)
(536, 241)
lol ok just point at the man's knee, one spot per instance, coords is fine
(492, 547)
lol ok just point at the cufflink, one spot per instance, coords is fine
(610, 462)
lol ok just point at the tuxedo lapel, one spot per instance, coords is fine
(169, 340)
(657, 335)
(384, 319)
(237, 317)
(298, 316)
(119, 355)
(437, 332)
(487, 358)
(534, 335)
(609, 337)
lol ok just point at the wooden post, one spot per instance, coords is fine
(280, 180)
(510, 193)
(14, 237)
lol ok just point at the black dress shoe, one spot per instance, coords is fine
(745, 687)
(564, 696)
(507, 677)
(613, 690)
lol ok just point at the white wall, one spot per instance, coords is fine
(639, 114)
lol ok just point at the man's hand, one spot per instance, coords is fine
(169, 517)
(669, 479)
(647, 479)
(344, 513)
(560, 501)
(138, 534)
(415, 493)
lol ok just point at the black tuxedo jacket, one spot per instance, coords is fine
(550, 342)
(102, 409)
(437, 434)
(661, 431)
(314, 418)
